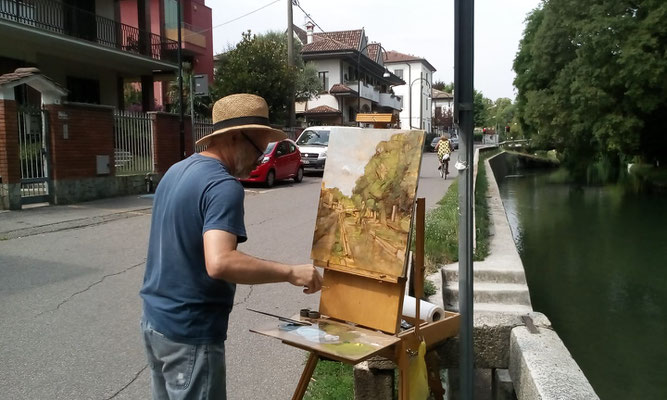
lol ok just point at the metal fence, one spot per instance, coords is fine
(133, 143)
(201, 128)
(33, 153)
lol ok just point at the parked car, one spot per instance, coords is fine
(455, 140)
(313, 144)
(282, 160)
(434, 142)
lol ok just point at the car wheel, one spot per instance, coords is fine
(270, 179)
(299, 175)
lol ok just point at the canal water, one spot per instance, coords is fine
(596, 265)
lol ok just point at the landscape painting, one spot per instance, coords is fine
(367, 200)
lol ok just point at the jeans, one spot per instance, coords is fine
(182, 371)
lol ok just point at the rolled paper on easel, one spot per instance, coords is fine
(427, 311)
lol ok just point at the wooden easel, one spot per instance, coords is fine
(371, 305)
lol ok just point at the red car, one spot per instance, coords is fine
(282, 160)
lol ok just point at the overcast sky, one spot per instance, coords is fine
(424, 28)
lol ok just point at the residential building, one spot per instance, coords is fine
(196, 36)
(443, 104)
(418, 75)
(95, 48)
(353, 77)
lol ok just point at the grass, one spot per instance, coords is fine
(331, 381)
(429, 288)
(441, 245)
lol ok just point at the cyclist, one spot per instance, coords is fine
(444, 149)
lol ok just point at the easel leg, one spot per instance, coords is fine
(404, 381)
(433, 370)
(305, 376)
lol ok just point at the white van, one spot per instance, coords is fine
(313, 144)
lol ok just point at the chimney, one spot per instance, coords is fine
(309, 32)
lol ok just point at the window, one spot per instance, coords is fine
(399, 73)
(83, 90)
(324, 79)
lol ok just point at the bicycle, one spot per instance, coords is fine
(444, 166)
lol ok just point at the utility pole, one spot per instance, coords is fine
(290, 63)
(179, 55)
(463, 117)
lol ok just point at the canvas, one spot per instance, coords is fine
(367, 201)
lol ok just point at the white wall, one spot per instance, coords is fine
(332, 66)
(421, 105)
(323, 100)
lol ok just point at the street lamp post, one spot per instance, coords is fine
(384, 75)
(421, 118)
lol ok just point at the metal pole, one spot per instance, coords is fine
(359, 85)
(463, 114)
(421, 105)
(290, 63)
(410, 89)
(179, 55)
(192, 105)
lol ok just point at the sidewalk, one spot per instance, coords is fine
(36, 220)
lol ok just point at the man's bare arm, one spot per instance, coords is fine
(224, 261)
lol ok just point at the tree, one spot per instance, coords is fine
(258, 65)
(202, 104)
(591, 80)
(481, 105)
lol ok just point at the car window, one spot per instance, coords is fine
(292, 148)
(269, 148)
(282, 149)
(313, 138)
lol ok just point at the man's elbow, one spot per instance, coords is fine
(218, 267)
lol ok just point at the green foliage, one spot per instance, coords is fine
(482, 214)
(592, 83)
(441, 242)
(441, 229)
(331, 381)
(258, 65)
(202, 104)
(429, 288)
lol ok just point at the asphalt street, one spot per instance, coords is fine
(69, 282)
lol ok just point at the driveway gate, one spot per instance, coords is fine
(34, 154)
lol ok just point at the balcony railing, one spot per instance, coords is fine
(56, 17)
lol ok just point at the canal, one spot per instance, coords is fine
(596, 265)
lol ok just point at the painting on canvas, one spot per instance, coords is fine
(367, 200)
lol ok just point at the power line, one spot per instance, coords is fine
(236, 19)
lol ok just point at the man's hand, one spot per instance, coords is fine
(306, 275)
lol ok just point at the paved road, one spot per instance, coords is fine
(69, 278)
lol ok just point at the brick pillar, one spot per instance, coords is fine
(10, 162)
(166, 140)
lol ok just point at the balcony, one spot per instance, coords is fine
(51, 16)
(365, 91)
(391, 101)
(189, 35)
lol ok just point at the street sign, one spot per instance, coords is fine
(201, 85)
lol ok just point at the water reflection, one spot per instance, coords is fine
(595, 264)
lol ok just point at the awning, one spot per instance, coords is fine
(373, 118)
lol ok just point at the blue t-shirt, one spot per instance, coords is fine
(180, 299)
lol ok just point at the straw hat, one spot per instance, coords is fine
(243, 111)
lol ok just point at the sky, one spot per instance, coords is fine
(423, 28)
